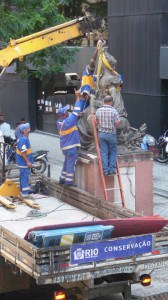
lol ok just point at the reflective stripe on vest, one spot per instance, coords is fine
(64, 132)
(29, 151)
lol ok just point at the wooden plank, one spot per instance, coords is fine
(74, 195)
(57, 186)
(56, 259)
(29, 270)
(73, 192)
(17, 241)
(87, 202)
(99, 208)
(117, 209)
(77, 197)
(72, 201)
(16, 252)
(76, 203)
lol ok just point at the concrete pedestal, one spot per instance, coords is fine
(136, 171)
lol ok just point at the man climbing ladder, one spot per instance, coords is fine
(107, 120)
(106, 143)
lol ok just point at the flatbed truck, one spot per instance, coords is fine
(53, 272)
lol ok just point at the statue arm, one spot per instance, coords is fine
(93, 59)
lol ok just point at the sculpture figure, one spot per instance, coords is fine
(109, 82)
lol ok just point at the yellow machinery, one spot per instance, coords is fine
(9, 188)
(44, 39)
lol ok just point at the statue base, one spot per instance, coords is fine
(136, 169)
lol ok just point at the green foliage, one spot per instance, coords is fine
(23, 17)
(20, 18)
(52, 61)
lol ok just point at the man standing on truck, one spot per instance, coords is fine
(67, 126)
(24, 159)
(107, 120)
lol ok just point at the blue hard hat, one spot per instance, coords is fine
(23, 127)
(62, 111)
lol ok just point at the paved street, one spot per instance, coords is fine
(160, 175)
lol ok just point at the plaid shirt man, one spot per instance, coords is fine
(107, 116)
(107, 120)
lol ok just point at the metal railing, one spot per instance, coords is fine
(3, 148)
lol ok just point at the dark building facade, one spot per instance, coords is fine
(137, 32)
(17, 99)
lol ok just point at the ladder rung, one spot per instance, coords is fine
(112, 189)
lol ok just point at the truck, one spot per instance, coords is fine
(35, 264)
(64, 82)
(90, 266)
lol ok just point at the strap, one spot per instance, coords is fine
(102, 59)
(105, 61)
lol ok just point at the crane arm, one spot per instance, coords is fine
(44, 39)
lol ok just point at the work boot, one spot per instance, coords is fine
(61, 181)
(113, 172)
(27, 196)
(31, 191)
(66, 185)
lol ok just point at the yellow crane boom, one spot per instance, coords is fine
(44, 39)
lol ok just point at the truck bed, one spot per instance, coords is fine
(52, 211)
(55, 265)
(52, 265)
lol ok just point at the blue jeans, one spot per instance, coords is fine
(108, 150)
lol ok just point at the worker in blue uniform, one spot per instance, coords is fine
(88, 84)
(88, 80)
(24, 159)
(67, 126)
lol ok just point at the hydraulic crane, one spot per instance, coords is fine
(17, 49)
